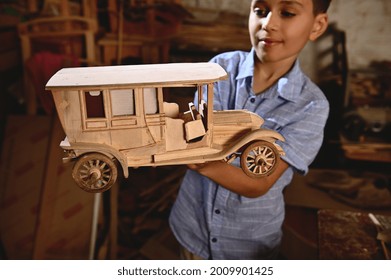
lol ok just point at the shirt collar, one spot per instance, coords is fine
(288, 86)
(247, 67)
(291, 84)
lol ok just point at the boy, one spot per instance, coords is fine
(220, 212)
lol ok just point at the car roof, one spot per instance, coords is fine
(137, 75)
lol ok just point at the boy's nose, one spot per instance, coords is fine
(269, 22)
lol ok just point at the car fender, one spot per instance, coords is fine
(255, 135)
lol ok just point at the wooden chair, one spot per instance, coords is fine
(141, 29)
(62, 33)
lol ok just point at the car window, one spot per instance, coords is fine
(122, 102)
(94, 104)
(150, 101)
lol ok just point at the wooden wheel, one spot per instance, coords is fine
(95, 173)
(259, 159)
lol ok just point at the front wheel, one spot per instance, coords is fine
(259, 159)
(95, 173)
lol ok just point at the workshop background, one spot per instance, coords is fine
(43, 213)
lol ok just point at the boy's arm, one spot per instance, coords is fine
(234, 179)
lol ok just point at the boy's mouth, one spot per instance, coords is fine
(269, 41)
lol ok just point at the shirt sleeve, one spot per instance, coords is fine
(304, 135)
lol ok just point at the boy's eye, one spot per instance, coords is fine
(287, 14)
(261, 12)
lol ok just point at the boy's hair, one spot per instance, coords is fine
(320, 6)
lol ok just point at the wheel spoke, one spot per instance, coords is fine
(266, 168)
(103, 165)
(269, 164)
(269, 154)
(251, 159)
(83, 171)
(106, 172)
(251, 156)
(252, 166)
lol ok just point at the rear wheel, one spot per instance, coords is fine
(259, 159)
(95, 173)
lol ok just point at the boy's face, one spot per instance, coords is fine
(279, 29)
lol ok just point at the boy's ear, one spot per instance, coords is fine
(320, 26)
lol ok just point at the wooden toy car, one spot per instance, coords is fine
(117, 114)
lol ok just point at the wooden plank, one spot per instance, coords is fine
(212, 37)
(232, 117)
(48, 190)
(379, 152)
(185, 154)
(175, 135)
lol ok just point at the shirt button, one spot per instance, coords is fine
(217, 211)
(252, 100)
(214, 240)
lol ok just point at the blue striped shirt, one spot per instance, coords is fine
(214, 223)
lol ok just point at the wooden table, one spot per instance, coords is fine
(305, 227)
(345, 235)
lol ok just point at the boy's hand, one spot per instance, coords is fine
(195, 167)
